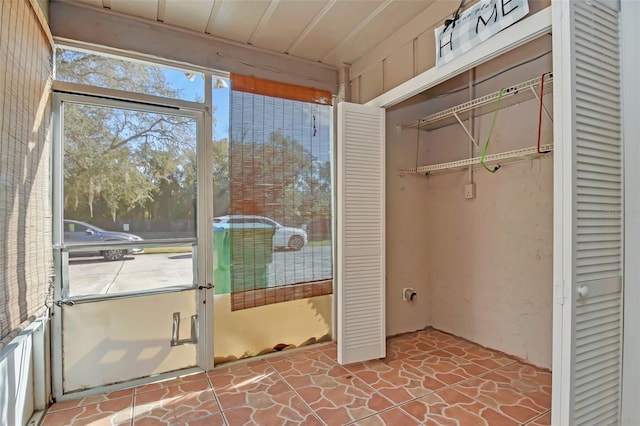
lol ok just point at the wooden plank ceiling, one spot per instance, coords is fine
(333, 32)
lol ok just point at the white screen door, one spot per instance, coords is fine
(130, 241)
(587, 360)
(361, 233)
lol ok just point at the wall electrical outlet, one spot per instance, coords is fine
(470, 191)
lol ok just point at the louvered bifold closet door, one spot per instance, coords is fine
(597, 232)
(360, 233)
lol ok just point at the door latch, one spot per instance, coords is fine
(209, 286)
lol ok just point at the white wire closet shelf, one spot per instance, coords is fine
(510, 96)
(492, 159)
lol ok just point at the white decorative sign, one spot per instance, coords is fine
(485, 19)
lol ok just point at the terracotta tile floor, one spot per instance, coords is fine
(428, 377)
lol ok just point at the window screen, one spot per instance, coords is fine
(280, 193)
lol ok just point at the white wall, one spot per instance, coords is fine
(407, 52)
(484, 266)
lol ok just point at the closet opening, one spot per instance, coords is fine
(470, 205)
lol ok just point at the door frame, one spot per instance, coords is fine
(630, 33)
(202, 113)
(567, 288)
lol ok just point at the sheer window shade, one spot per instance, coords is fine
(25, 224)
(280, 170)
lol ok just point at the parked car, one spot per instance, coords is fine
(284, 236)
(76, 232)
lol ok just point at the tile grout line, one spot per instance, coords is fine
(215, 396)
(354, 375)
(538, 417)
(133, 407)
(312, 411)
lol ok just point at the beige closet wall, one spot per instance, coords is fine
(482, 267)
(407, 213)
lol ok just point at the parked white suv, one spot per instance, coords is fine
(284, 236)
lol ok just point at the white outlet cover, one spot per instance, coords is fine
(470, 191)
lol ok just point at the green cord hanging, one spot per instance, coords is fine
(486, 145)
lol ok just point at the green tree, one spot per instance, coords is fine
(221, 177)
(120, 161)
(102, 71)
(280, 179)
(316, 187)
(123, 157)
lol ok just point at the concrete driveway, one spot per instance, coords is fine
(93, 275)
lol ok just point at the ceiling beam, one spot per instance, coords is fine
(357, 29)
(311, 26)
(103, 27)
(215, 9)
(266, 17)
(162, 9)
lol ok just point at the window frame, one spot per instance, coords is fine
(61, 251)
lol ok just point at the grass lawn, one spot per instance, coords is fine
(319, 243)
(152, 250)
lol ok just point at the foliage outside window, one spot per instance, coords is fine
(94, 69)
(128, 165)
(129, 176)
